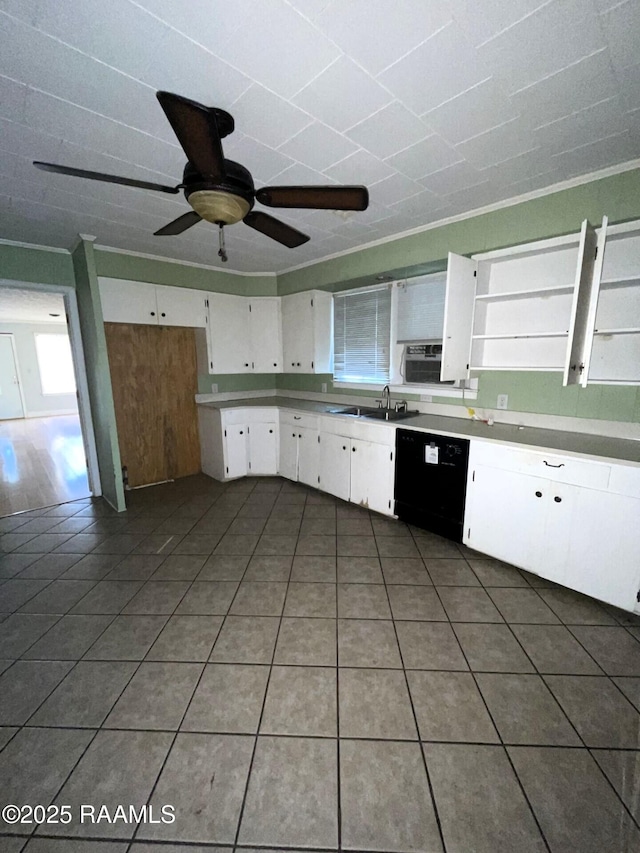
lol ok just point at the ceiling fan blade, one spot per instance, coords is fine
(179, 225)
(100, 176)
(197, 130)
(319, 198)
(275, 229)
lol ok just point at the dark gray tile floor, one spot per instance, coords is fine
(291, 672)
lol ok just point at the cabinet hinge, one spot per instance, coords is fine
(211, 365)
(638, 595)
(475, 273)
(249, 465)
(247, 430)
(596, 254)
(206, 302)
(225, 433)
(391, 457)
(469, 533)
(473, 477)
(312, 303)
(227, 469)
(318, 439)
(318, 477)
(312, 364)
(249, 308)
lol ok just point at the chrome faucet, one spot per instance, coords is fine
(386, 395)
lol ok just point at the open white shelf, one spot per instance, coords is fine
(525, 294)
(517, 336)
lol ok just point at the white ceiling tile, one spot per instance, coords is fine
(622, 29)
(437, 70)
(359, 168)
(584, 83)
(629, 83)
(536, 182)
(472, 198)
(299, 175)
(429, 155)
(588, 125)
(389, 130)
(394, 189)
(477, 110)
(500, 143)
(27, 142)
(524, 166)
(377, 46)
(164, 59)
(453, 178)
(267, 117)
(19, 188)
(360, 95)
(598, 155)
(13, 99)
(318, 147)
(419, 206)
(482, 21)
(24, 10)
(558, 34)
(310, 8)
(278, 48)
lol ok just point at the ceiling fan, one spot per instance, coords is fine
(220, 190)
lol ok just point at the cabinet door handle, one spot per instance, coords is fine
(299, 435)
(153, 313)
(549, 465)
(275, 363)
(270, 431)
(293, 435)
(163, 314)
(298, 364)
(293, 364)
(246, 364)
(241, 432)
(557, 499)
(353, 450)
(297, 417)
(344, 446)
(538, 494)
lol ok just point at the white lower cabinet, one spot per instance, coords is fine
(299, 448)
(577, 527)
(358, 469)
(238, 442)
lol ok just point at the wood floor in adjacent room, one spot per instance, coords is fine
(42, 462)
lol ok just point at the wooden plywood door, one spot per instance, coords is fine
(154, 380)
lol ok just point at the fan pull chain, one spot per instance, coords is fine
(222, 251)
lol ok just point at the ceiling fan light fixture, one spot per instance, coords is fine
(219, 206)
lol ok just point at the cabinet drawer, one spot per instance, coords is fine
(300, 419)
(257, 415)
(552, 466)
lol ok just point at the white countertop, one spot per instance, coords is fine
(626, 450)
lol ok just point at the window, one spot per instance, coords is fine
(421, 308)
(55, 364)
(362, 335)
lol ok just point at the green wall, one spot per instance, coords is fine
(158, 271)
(19, 263)
(98, 376)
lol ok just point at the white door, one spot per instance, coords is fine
(297, 333)
(576, 367)
(604, 548)
(229, 334)
(505, 516)
(288, 463)
(458, 317)
(308, 456)
(181, 306)
(266, 338)
(10, 397)
(335, 465)
(263, 448)
(372, 475)
(236, 455)
(128, 301)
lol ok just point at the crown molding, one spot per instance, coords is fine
(21, 245)
(166, 260)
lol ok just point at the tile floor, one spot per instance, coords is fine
(292, 672)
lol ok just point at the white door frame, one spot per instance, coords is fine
(17, 366)
(77, 352)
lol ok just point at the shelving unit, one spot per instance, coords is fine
(615, 311)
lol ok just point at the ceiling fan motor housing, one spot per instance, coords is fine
(224, 200)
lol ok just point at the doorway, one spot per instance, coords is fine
(47, 450)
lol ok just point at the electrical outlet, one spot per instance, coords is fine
(503, 401)
(324, 387)
(214, 387)
(426, 398)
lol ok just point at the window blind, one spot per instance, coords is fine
(421, 308)
(362, 335)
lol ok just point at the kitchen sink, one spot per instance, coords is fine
(389, 414)
(376, 414)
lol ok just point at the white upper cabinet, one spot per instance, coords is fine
(458, 317)
(265, 332)
(126, 301)
(228, 334)
(578, 331)
(613, 346)
(307, 336)
(244, 334)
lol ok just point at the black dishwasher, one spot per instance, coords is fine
(431, 481)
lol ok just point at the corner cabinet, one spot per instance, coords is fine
(568, 519)
(569, 305)
(139, 302)
(307, 332)
(244, 334)
(238, 442)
